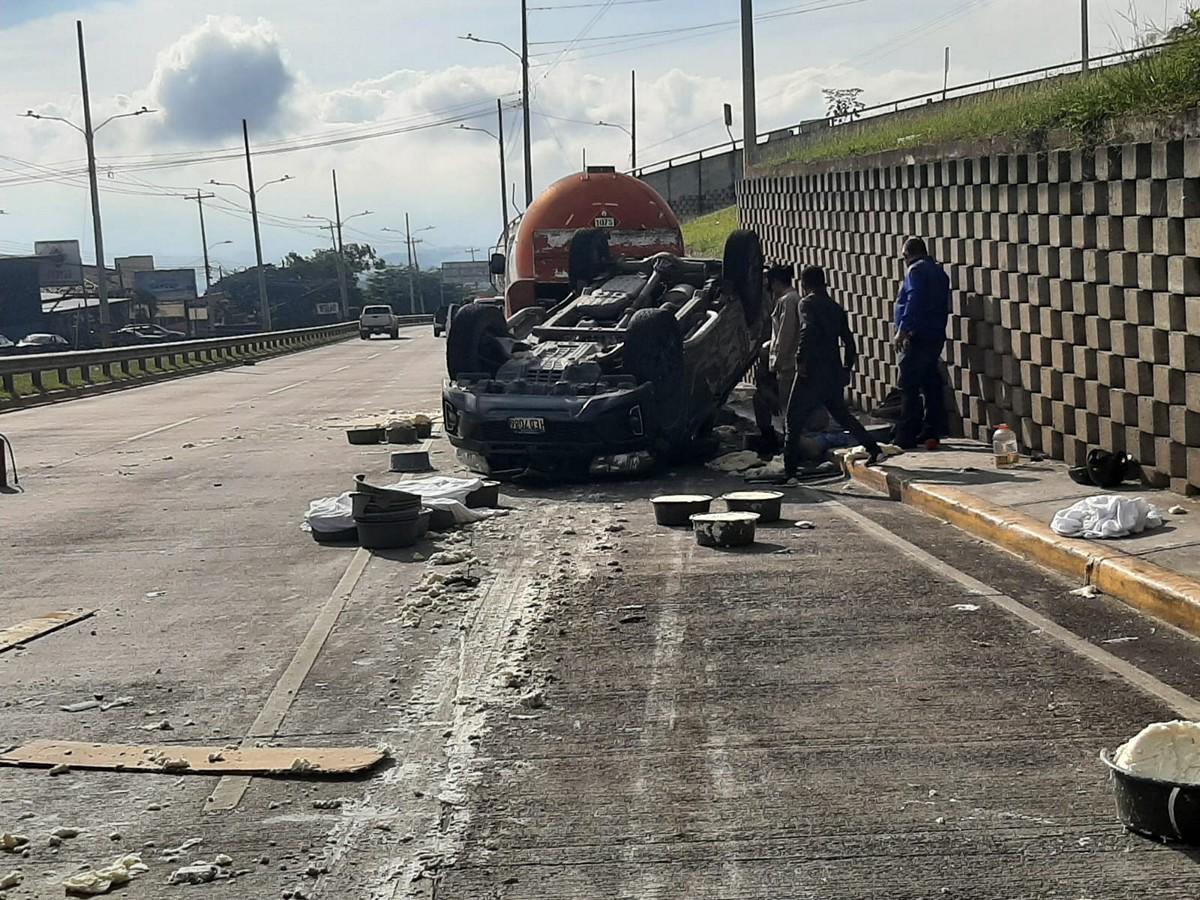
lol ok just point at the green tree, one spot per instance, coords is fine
(295, 288)
(390, 285)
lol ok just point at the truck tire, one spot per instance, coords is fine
(653, 353)
(363, 335)
(743, 268)
(394, 334)
(473, 344)
(589, 256)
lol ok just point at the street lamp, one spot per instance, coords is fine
(523, 56)
(89, 137)
(503, 177)
(258, 190)
(264, 305)
(335, 235)
(632, 140)
(410, 241)
(218, 244)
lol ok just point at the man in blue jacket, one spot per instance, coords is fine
(921, 313)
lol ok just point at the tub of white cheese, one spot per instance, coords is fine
(1156, 781)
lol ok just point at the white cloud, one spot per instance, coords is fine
(216, 75)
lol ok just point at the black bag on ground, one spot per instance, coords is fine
(1105, 469)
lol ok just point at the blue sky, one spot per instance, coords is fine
(311, 67)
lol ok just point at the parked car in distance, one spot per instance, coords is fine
(6, 346)
(43, 343)
(378, 320)
(442, 318)
(146, 333)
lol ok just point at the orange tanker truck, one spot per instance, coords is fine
(636, 220)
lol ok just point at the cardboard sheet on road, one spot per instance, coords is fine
(24, 632)
(178, 760)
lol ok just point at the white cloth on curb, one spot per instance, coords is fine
(436, 492)
(1106, 516)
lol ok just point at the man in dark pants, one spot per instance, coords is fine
(921, 313)
(822, 371)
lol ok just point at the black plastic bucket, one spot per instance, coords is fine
(1163, 810)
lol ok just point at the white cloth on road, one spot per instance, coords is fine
(450, 494)
(1106, 516)
(436, 492)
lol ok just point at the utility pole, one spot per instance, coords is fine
(633, 119)
(341, 257)
(472, 251)
(1085, 57)
(264, 307)
(525, 101)
(503, 179)
(200, 198)
(412, 291)
(946, 75)
(749, 107)
(89, 137)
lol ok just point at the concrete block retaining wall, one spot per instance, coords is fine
(1075, 275)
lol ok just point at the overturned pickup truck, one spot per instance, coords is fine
(631, 368)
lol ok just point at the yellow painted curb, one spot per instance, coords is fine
(1143, 585)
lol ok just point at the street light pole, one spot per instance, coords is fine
(264, 306)
(341, 260)
(412, 295)
(525, 102)
(1086, 54)
(89, 137)
(503, 179)
(749, 105)
(633, 119)
(203, 238)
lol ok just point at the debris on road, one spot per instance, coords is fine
(1119, 640)
(81, 706)
(11, 880)
(101, 881)
(64, 832)
(249, 761)
(197, 873)
(170, 854)
(965, 607)
(1178, 510)
(452, 557)
(11, 843)
(805, 525)
(23, 632)
(738, 461)
(1088, 591)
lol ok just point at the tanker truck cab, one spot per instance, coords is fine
(635, 219)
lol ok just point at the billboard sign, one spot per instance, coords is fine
(62, 265)
(469, 274)
(167, 285)
(328, 309)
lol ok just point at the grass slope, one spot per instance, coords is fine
(1157, 83)
(705, 236)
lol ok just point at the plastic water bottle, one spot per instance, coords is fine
(1004, 446)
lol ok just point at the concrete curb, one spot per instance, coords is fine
(1147, 587)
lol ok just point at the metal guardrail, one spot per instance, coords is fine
(953, 92)
(114, 364)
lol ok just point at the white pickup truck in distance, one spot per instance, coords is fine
(377, 320)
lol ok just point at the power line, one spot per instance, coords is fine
(590, 5)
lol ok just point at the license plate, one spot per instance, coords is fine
(527, 425)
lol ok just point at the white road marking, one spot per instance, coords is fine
(375, 355)
(339, 369)
(159, 430)
(288, 387)
(1185, 706)
(230, 789)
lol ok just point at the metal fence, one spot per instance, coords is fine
(952, 92)
(84, 368)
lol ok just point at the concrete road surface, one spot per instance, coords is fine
(876, 707)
